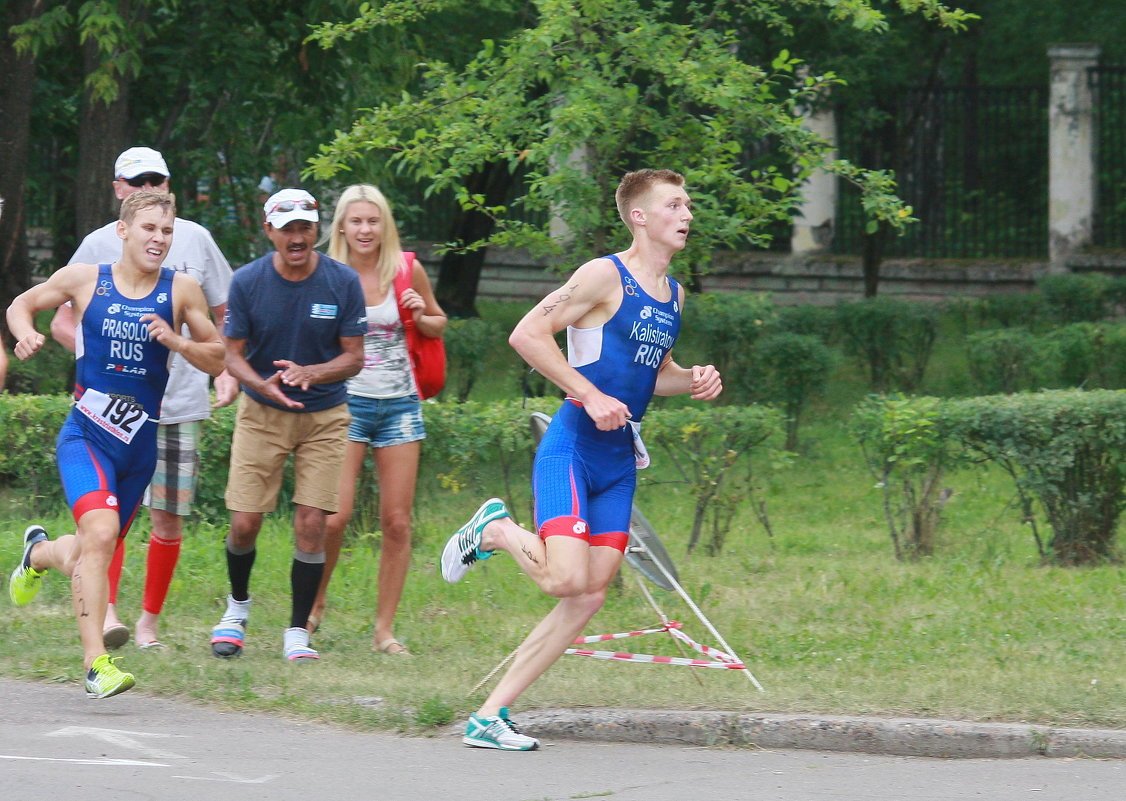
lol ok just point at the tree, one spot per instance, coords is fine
(229, 91)
(18, 69)
(593, 89)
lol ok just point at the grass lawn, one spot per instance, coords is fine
(826, 618)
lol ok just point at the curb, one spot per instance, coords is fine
(895, 736)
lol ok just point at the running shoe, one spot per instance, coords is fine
(296, 648)
(24, 583)
(105, 679)
(464, 548)
(497, 731)
(229, 634)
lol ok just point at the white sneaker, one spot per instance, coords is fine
(463, 549)
(296, 646)
(497, 731)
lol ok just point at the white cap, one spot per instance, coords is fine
(299, 198)
(138, 160)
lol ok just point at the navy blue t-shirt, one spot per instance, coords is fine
(297, 320)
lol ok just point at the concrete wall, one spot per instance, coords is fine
(822, 279)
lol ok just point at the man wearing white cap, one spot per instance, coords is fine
(294, 332)
(186, 401)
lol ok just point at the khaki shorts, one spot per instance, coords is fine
(263, 440)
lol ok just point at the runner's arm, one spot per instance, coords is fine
(63, 285)
(701, 382)
(204, 348)
(594, 286)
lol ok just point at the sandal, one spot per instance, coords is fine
(115, 636)
(312, 624)
(391, 646)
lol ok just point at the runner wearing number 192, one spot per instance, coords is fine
(131, 314)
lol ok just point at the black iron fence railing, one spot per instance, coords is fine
(1109, 87)
(972, 162)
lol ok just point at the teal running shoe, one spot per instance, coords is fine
(497, 731)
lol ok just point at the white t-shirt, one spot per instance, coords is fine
(195, 253)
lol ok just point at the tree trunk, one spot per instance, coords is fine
(460, 273)
(16, 90)
(873, 258)
(103, 133)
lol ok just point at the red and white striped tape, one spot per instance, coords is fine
(722, 659)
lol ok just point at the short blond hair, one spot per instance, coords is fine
(635, 184)
(146, 199)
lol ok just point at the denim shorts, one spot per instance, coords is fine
(383, 422)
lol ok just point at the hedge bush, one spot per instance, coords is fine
(724, 329)
(1078, 297)
(1064, 448)
(908, 452)
(891, 339)
(788, 370)
(1004, 360)
(29, 426)
(716, 450)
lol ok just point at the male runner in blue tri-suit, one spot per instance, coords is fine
(622, 315)
(131, 314)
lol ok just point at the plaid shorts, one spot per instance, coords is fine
(177, 468)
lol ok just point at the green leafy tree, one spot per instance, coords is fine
(592, 89)
(18, 70)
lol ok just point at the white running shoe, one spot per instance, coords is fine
(464, 548)
(497, 731)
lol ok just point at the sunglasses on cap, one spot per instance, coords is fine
(146, 179)
(290, 205)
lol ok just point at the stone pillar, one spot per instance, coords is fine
(1071, 151)
(812, 229)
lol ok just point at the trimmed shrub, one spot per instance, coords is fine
(807, 319)
(1073, 351)
(29, 426)
(49, 372)
(463, 437)
(1004, 360)
(788, 370)
(1074, 298)
(714, 448)
(215, 463)
(1110, 365)
(1064, 448)
(1011, 310)
(907, 451)
(892, 339)
(725, 329)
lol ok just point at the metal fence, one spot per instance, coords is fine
(971, 161)
(1109, 88)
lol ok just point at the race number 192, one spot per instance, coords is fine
(119, 416)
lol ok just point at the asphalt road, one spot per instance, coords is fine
(56, 745)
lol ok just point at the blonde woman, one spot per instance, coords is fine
(383, 398)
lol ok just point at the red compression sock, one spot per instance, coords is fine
(163, 555)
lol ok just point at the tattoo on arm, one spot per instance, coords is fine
(527, 553)
(563, 296)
